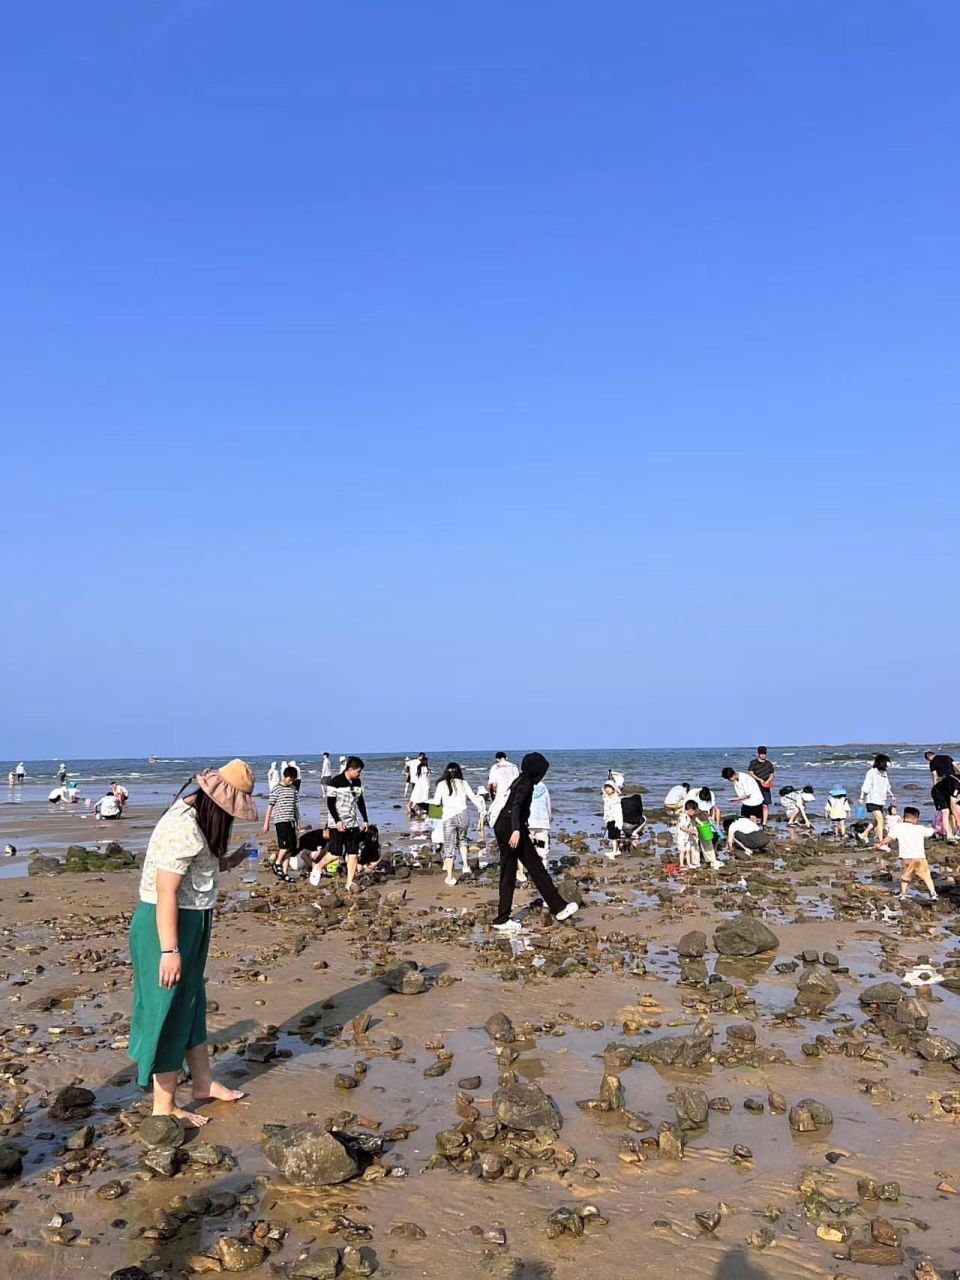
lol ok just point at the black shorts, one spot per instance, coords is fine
(751, 811)
(943, 791)
(874, 808)
(767, 798)
(286, 836)
(345, 843)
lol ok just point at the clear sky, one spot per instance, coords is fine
(567, 373)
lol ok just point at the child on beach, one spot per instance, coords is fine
(910, 837)
(793, 806)
(284, 810)
(541, 815)
(482, 796)
(695, 837)
(612, 814)
(837, 810)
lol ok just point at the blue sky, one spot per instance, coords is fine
(423, 372)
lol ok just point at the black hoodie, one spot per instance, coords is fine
(515, 815)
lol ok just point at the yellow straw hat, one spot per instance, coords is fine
(231, 787)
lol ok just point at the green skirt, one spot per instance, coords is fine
(167, 1022)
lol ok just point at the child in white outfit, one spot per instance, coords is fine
(910, 837)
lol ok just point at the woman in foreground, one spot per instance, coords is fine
(170, 937)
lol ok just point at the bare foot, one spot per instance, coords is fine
(218, 1093)
(189, 1119)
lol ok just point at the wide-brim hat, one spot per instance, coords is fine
(231, 787)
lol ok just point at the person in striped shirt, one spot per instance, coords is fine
(284, 810)
(348, 815)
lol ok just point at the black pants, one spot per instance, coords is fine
(538, 873)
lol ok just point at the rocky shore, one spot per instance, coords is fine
(730, 1072)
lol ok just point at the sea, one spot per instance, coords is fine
(575, 776)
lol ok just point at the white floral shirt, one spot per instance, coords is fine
(178, 845)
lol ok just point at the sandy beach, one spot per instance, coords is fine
(298, 1012)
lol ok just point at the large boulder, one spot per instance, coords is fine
(406, 979)
(524, 1106)
(500, 1029)
(744, 936)
(692, 944)
(816, 989)
(938, 1049)
(882, 993)
(308, 1156)
(692, 1104)
(809, 1116)
(674, 1051)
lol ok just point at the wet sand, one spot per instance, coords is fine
(289, 980)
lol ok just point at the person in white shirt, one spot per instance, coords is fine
(452, 794)
(746, 834)
(677, 797)
(748, 793)
(409, 773)
(273, 776)
(21, 773)
(420, 795)
(910, 837)
(837, 811)
(876, 793)
(692, 843)
(503, 773)
(706, 803)
(57, 794)
(108, 807)
(794, 808)
(612, 816)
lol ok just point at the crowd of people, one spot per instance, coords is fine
(170, 932)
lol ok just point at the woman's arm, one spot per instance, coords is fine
(168, 882)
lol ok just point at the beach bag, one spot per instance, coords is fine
(435, 812)
(938, 823)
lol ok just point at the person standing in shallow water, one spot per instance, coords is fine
(170, 937)
(512, 829)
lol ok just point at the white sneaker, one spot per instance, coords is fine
(508, 926)
(569, 910)
(450, 880)
(315, 876)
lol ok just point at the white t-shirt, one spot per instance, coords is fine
(109, 806)
(747, 789)
(910, 837)
(703, 805)
(742, 827)
(676, 795)
(502, 776)
(454, 801)
(876, 787)
(58, 793)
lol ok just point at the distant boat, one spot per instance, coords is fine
(153, 760)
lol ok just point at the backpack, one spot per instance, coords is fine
(369, 846)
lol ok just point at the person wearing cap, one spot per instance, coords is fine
(170, 937)
(837, 811)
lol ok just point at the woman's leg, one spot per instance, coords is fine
(508, 880)
(879, 817)
(540, 876)
(353, 861)
(205, 1088)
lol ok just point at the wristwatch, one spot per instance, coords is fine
(171, 951)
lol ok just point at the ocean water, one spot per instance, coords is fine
(575, 777)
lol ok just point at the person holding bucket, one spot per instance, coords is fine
(170, 937)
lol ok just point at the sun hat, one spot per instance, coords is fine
(837, 791)
(231, 787)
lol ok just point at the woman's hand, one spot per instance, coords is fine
(169, 971)
(515, 840)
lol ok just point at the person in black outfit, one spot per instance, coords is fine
(512, 829)
(764, 771)
(946, 790)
